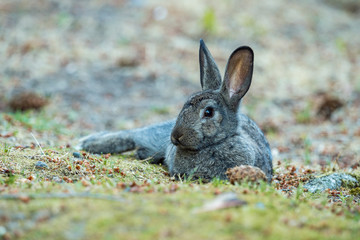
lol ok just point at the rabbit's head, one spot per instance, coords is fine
(210, 116)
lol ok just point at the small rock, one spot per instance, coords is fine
(245, 173)
(2, 231)
(224, 200)
(40, 164)
(260, 205)
(57, 179)
(77, 154)
(332, 181)
(41, 215)
(19, 216)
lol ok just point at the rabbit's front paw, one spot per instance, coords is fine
(92, 143)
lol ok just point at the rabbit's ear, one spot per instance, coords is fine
(210, 77)
(238, 75)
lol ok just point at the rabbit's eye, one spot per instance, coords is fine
(209, 112)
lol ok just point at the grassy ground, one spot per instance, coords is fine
(118, 197)
(118, 64)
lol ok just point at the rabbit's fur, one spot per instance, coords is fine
(210, 134)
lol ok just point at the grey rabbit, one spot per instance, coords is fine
(210, 134)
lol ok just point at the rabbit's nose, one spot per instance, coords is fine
(176, 137)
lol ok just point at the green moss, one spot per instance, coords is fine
(351, 184)
(355, 191)
(356, 175)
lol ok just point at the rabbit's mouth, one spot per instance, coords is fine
(199, 146)
(188, 148)
(179, 144)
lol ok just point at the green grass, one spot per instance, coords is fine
(160, 110)
(33, 120)
(307, 151)
(304, 115)
(139, 201)
(209, 21)
(171, 216)
(118, 197)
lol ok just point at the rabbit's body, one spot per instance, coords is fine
(215, 160)
(216, 144)
(210, 134)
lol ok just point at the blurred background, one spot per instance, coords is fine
(96, 65)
